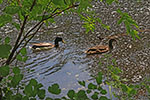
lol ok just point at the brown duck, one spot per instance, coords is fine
(99, 49)
(41, 46)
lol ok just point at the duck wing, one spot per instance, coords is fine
(42, 44)
(97, 49)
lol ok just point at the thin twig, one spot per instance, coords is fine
(19, 36)
(22, 29)
(57, 13)
(26, 42)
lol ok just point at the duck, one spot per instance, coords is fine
(43, 46)
(99, 49)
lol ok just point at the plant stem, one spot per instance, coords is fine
(27, 42)
(19, 36)
(17, 41)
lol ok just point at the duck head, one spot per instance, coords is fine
(110, 43)
(57, 40)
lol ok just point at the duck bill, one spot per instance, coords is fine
(63, 41)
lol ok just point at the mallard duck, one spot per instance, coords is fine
(99, 49)
(41, 46)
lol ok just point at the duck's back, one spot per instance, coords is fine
(42, 44)
(97, 49)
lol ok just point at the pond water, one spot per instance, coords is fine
(68, 64)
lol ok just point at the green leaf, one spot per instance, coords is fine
(4, 50)
(1, 1)
(5, 19)
(120, 20)
(16, 80)
(39, 85)
(116, 70)
(82, 83)
(59, 2)
(116, 77)
(103, 98)
(51, 20)
(17, 26)
(16, 70)
(12, 9)
(64, 98)
(110, 1)
(71, 94)
(41, 94)
(132, 92)
(25, 98)
(119, 11)
(54, 89)
(72, 1)
(17, 97)
(19, 57)
(104, 92)
(10, 77)
(95, 96)
(21, 14)
(4, 71)
(32, 98)
(99, 78)
(7, 40)
(33, 82)
(100, 88)
(124, 87)
(28, 90)
(0, 38)
(81, 94)
(23, 51)
(48, 98)
(136, 34)
(92, 86)
(88, 91)
(131, 21)
(25, 58)
(31, 90)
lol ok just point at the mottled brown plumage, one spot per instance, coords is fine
(99, 49)
(42, 46)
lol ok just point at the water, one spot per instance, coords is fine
(68, 64)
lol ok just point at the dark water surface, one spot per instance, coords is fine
(68, 64)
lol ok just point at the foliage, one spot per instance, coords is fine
(95, 90)
(124, 91)
(129, 22)
(43, 12)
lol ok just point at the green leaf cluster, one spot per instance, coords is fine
(129, 22)
(117, 82)
(4, 19)
(11, 79)
(4, 71)
(32, 89)
(22, 56)
(95, 90)
(89, 23)
(54, 89)
(4, 50)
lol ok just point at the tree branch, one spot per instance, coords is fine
(57, 13)
(27, 42)
(17, 41)
(19, 36)
(17, 45)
